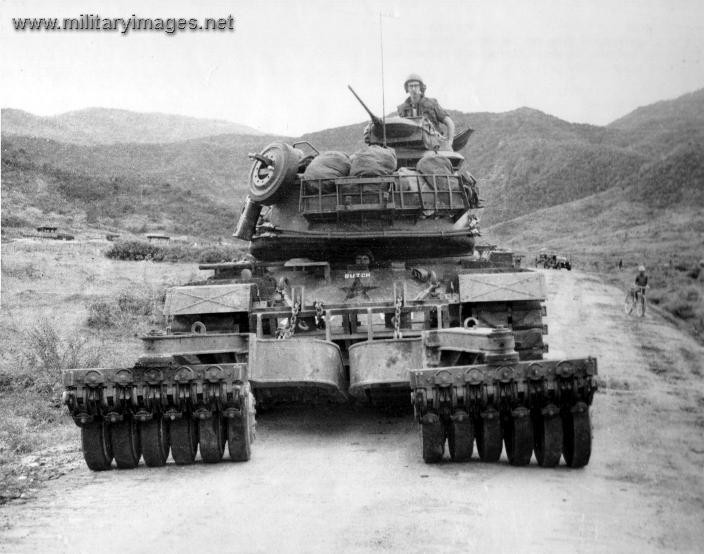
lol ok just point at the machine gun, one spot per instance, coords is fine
(409, 131)
(376, 120)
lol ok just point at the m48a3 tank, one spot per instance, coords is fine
(363, 282)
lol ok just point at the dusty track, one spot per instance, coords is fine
(351, 480)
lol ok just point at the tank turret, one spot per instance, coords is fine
(422, 202)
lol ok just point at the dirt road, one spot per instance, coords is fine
(350, 480)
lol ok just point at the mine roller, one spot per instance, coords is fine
(365, 281)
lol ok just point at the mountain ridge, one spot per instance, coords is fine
(97, 125)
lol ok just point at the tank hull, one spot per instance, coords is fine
(359, 287)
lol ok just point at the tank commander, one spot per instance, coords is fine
(417, 104)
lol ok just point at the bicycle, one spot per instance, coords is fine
(635, 299)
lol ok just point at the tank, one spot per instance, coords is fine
(365, 288)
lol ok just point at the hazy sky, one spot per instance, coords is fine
(286, 66)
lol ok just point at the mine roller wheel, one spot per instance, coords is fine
(460, 437)
(547, 431)
(489, 436)
(432, 438)
(97, 451)
(577, 435)
(274, 168)
(211, 435)
(154, 439)
(518, 437)
(124, 439)
(183, 434)
(241, 432)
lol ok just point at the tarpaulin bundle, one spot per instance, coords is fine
(373, 161)
(325, 167)
(470, 186)
(409, 180)
(435, 164)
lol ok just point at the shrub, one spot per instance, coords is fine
(10, 220)
(218, 255)
(26, 270)
(138, 250)
(101, 315)
(128, 305)
(135, 250)
(44, 354)
(691, 294)
(133, 304)
(656, 296)
(681, 308)
(16, 439)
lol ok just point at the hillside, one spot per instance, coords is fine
(525, 160)
(38, 193)
(109, 126)
(657, 220)
(211, 166)
(659, 128)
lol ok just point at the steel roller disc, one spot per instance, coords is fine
(183, 434)
(211, 436)
(489, 441)
(95, 440)
(519, 437)
(124, 439)
(240, 433)
(460, 437)
(432, 438)
(577, 435)
(155, 442)
(548, 438)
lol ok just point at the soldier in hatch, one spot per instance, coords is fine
(417, 104)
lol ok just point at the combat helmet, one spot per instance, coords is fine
(414, 77)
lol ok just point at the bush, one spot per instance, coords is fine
(26, 270)
(218, 255)
(691, 294)
(16, 439)
(135, 250)
(10, 220)
(680, 307)
(101, 315)
(133, 304)
(127, 306)
(44, 354)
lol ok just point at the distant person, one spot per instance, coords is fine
(620, 265)
(641, 280)
(417, 105)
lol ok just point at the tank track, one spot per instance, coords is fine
(145, 412)
(528, 407)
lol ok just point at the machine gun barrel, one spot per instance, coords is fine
(375, 119)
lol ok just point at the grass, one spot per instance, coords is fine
(65, 305)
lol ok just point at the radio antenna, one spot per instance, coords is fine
(383, 97)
